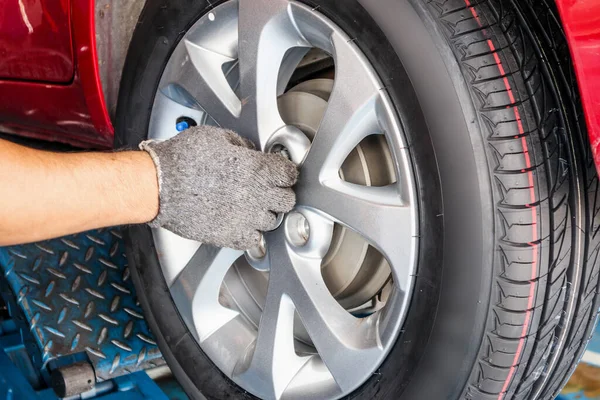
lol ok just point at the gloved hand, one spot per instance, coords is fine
(215, 188)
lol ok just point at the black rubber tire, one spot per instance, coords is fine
(506, 292)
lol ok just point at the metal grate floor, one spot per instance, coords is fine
(77, 295)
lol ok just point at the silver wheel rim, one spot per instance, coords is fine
(297, 341)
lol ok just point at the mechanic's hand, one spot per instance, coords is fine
(215, 188)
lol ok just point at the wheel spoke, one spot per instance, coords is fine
(174, 252)
(210, 67)
(379, 214)
(266, 33)
(376, 213)
(342, 340)
(205, 83)
(211, 45)
(351, 115)
(196, 290)
(274, 362)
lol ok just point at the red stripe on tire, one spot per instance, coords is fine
(534, 244)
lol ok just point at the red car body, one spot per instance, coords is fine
(581, 22)
(50, 84)
(49, 79)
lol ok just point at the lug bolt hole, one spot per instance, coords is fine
(297, 229)
(281, 149)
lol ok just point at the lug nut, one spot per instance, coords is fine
(259, 251)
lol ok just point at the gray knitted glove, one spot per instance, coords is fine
(215, 188)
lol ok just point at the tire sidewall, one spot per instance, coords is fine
(408, 368)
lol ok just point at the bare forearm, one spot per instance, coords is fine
(47, 195)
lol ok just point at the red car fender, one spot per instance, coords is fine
(581, 23)
(74, 112)
(84, 33)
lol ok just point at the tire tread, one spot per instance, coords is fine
(556, 158)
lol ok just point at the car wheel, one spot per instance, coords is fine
(443, 244)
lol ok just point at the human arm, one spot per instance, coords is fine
(47, 194)
(205, 184)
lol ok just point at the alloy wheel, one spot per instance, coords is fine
(316, 308)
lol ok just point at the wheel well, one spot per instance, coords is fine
(115, 21)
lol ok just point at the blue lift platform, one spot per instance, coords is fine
(70, 324)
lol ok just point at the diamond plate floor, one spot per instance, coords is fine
(77, 294)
